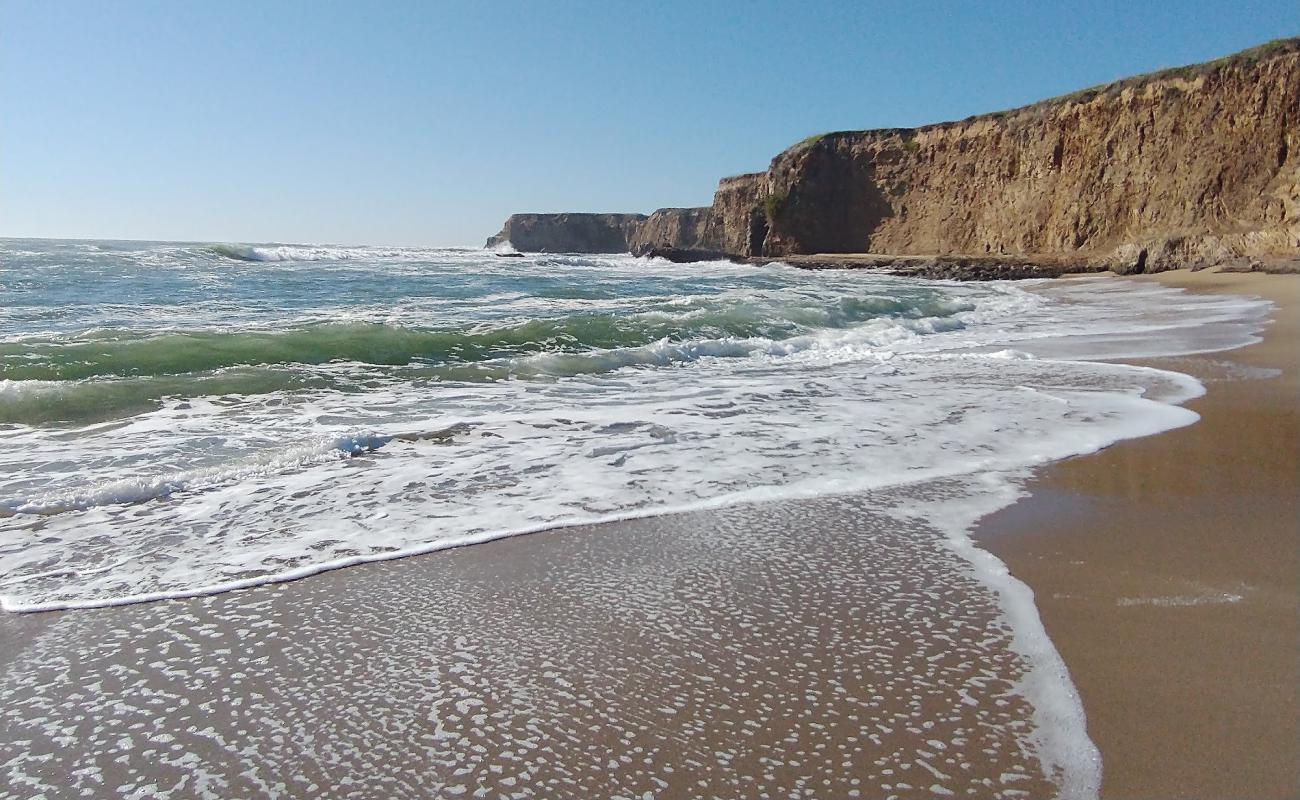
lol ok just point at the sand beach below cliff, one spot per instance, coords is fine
(1165, 571)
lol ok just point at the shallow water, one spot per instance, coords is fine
(188, 420)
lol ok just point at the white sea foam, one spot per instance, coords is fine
(153, 487)
(1209, 597)
(731, 420)
(16, 390)
(297, 252)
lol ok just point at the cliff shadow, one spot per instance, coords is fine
(757, 233)
(834, 206)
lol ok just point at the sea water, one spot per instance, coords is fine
(182, 419)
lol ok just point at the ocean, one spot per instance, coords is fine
(185, 419)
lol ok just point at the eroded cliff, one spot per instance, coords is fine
(568, 232)
(1194, 164)
(1184, 167)
(671, 227)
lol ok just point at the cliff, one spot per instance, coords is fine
(568, 232)
(1184, 167)
(1193, 164)
(671, 227)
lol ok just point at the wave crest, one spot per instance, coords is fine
(297, 252)
(122, 354)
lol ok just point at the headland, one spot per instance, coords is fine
(1189, 167)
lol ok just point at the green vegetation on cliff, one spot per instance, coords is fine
(772, 205)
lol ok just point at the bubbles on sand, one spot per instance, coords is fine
(808, 649)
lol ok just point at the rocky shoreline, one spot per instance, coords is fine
(953, 266)
(1190, 167)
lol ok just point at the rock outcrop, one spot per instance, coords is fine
(1185, 167)
(1192, 165)
(736, 220)
(569, 232)
(678, 228)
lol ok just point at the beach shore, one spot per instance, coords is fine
(732, 652)
(807, 648)
(1165, 571)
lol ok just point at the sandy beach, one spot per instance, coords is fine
(1165, 571)
(718, 654)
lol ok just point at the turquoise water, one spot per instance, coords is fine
(121, 326)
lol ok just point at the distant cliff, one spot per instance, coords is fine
(1189, 166)
(569, 232)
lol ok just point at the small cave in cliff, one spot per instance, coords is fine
(757, 232)
(1141, 265)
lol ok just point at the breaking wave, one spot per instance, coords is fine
(298, 252)
(109, 373)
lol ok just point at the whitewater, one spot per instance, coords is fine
(183, 419)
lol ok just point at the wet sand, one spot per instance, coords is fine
(803, 649)
(1165, 571)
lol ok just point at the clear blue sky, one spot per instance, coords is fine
(426, 123)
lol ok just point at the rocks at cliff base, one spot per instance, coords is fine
(961, 268)
(1273, 266)
(685, 255)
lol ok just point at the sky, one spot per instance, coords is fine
(423, 123)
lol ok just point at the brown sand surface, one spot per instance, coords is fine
(803, 649)
(1165, 570)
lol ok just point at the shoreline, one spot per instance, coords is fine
(513, 580)
(1165, 573)
(713, 653)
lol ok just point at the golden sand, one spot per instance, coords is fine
(1165, 571)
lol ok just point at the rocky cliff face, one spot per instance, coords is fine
(1197, 163)
(671, 227)
(1185, 167)
(736, 223)
(568, 233)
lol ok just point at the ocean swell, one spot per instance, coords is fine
(64, 402)
(123, 353)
